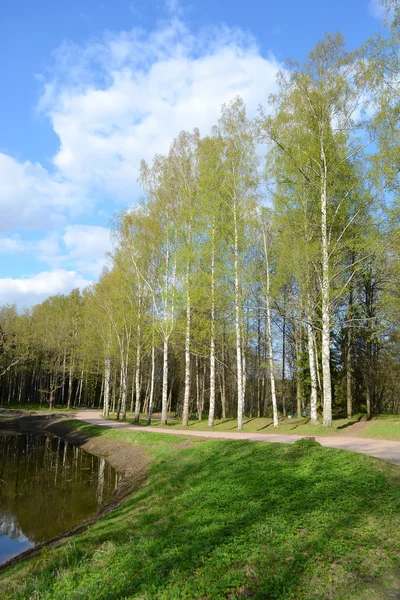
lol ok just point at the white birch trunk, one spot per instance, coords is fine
(186, 399)
(70, 382)
(164, 397)
(153, 369)
(107, 373)
(137, 383)
(244, 373)
(326, 342)
(138, 365)
(123, 387)
(313, 370)
(211, 411)
(269, 333)
(239, 367)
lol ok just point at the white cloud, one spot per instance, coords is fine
(112, 102)
(82, 248)
(87, 246)
(30, 290)
(32, 199)
(173, 7)
(125, 97)
(11, 245)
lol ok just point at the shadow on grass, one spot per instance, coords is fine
(271, 425)
(305, 422)
(350, 423)
(230, 519)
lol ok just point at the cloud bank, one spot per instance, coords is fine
(112, 102)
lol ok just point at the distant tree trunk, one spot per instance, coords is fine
(223, 382)
(101, 395)
(138, 365)
(132, 393)
(146, 398)
(114, 390)
(70, 382)
(169, 405)
(63, 377)
(51, 397)
(123, 386)
(244, 374)
(80, 389)
(349, 374)
(283, 366)
(368, 399)
(197, 387)
(107, 373)
(202, 394)
(153, 368)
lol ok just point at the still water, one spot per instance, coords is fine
(47, 487)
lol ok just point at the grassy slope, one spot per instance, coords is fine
(232, 519)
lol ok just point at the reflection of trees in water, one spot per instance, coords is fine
(9, 526)
(49, 486)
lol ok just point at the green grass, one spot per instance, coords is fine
(296, 426)
(221, 520)
(381, 426)
(293, 426)
(35, 406)
(385, 427)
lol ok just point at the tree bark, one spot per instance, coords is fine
(107, 372)
(164, 401)
(153, 368)
(313, 371)
(211, 411)
(269, 331)
(326, 341)
(239, 366)
(349, 373)
(186, 398)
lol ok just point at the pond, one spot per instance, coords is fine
(47, 487)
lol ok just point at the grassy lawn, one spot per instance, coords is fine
(231, 519)
(384, 427)
(381, 426)
(32, 406)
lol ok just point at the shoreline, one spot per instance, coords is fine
(130, 461)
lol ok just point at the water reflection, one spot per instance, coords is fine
(47, 487)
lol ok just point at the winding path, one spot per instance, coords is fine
(383, 449)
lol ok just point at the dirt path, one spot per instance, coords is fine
(383, 449)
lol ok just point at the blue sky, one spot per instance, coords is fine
(89, 88)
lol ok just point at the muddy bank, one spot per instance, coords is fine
(129, 461)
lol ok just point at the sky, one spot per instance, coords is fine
(89, 88)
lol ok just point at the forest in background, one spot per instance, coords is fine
(259, 273)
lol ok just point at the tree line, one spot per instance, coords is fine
(259, 273)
